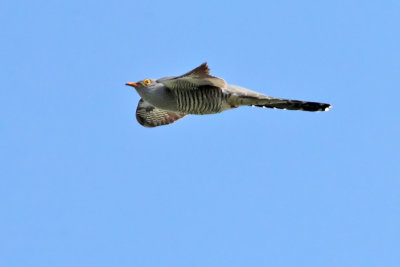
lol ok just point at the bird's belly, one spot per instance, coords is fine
(203, 101)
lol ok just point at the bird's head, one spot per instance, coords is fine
(147, 83)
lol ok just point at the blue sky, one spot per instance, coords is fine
(83, 184)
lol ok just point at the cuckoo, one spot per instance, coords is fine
(168, 99)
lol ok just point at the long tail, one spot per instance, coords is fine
(240, 96)
(294, 105)
(279, 103)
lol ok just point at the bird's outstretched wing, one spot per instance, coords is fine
(150, 116)
(194, 79)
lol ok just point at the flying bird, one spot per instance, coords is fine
(169, 99)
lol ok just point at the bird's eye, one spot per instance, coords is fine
(147, 82)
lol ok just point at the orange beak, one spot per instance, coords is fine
(132, 84)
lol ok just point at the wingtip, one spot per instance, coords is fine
(205, 67)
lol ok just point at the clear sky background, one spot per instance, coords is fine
(83, 184)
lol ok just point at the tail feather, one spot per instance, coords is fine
(278, 103)
(241, 96)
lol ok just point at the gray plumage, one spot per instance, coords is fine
(168, 99)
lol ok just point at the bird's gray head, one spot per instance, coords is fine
(143, 84)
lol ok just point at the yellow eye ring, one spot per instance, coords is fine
(147, 82)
